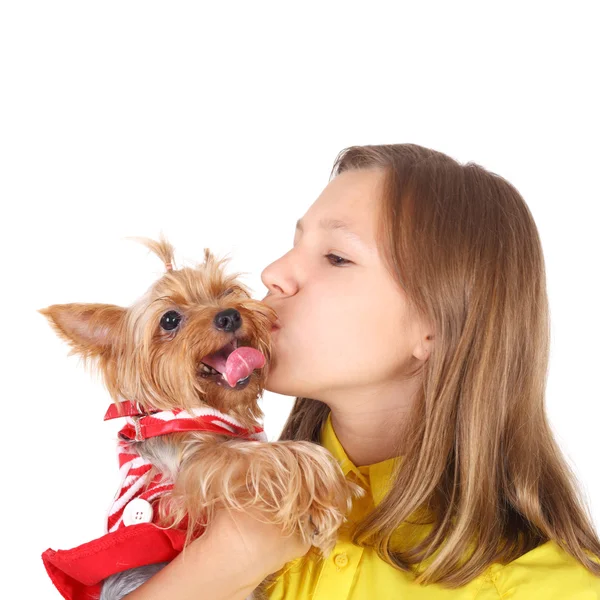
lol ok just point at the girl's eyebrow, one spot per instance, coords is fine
(326, 224)
(336, 224)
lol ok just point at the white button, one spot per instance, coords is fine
(137, 511)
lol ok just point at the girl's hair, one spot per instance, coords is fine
(480, 453)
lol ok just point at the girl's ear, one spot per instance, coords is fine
(90, 329)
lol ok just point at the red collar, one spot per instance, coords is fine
(141, 425)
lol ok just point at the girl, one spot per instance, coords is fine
(415, 336)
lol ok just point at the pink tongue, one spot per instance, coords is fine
(241, 362)
(238, 365)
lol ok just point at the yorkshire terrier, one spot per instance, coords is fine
(185, 366)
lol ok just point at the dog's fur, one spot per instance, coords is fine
(297, 485)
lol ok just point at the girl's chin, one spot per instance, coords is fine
(279, 384)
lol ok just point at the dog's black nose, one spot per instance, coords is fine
(228, 320)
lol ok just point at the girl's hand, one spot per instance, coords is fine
(260, 547)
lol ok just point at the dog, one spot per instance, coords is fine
(185, 366)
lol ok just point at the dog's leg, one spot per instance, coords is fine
(298, 485)
(120, 584)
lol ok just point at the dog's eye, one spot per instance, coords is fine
(170, 320)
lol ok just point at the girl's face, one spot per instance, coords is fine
(344, 322)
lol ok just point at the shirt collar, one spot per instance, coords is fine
(376, 477)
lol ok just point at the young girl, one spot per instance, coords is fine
(415, 336)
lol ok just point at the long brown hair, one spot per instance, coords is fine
(480, 453)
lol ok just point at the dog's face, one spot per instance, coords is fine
(195, 338)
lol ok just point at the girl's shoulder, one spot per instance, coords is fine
(547, 572)
(544, 573)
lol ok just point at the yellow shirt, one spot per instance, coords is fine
(354, 573)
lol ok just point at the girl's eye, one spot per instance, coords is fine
(336, 263)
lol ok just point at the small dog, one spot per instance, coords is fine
(185, 365)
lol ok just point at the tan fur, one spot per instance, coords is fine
(298, 485)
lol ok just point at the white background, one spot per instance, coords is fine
(218, 124)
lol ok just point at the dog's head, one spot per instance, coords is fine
(195, 338)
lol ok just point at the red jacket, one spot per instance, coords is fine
(78, 572)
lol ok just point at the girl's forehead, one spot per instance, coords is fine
(350, 213)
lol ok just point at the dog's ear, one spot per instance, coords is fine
(208, 256)
(90, 329)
